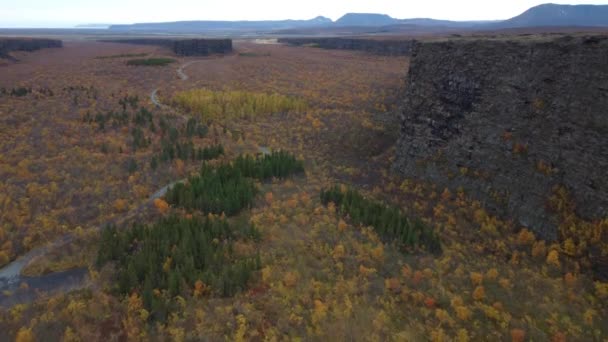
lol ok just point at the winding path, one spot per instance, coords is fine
(154, 98)
(181, 73)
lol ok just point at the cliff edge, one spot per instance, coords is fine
(510, 122)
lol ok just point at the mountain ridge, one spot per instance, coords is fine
(547, 15)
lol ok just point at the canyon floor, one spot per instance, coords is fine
(65, 173)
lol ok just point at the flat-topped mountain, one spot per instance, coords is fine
(366, 19)
(560, 15)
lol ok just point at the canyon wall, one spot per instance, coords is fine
(509, 121)
(375, 46)
(202, 47)
(26, 44)
(184, 47)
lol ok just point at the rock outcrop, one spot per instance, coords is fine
(184, 47)
(26, 44)
(508, 121)
(202, 47)
(375, 46)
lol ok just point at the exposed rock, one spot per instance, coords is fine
(26, 44)
(202, 47)
(508, 121)
(185, 47)
(375, 46)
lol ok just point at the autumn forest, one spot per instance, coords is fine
(251, 197)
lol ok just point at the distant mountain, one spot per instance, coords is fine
(427, 22)
(93, 26)
(203, 26)
(366, 19)
(560, 15)
(547, 15)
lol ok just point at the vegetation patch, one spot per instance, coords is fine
(225, 105)
(229, 188)
(178, 257)
(252, 54)
(150, 61)
(123, 55)
(173, 147)
(387, 220)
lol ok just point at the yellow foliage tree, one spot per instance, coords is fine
(290, 279)
(476, 278)
(518, 335)
(553, 258)
(342, 225)
(479, 293)
(24, 335)
(268, 197)
(161, 205)
(199, 288)
(120, 205)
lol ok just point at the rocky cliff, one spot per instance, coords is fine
(509, 121)
(26, 44)
(202, 47)
(184, 47)
(375, 46)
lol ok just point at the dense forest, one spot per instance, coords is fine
(183, 226)
(387, 220)
(178, 257)
(229, 188)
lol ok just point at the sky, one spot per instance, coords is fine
(67, 13)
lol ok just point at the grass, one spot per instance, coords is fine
(151, 61)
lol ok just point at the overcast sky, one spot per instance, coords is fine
(67, 13)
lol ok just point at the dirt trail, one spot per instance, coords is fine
(181, 73)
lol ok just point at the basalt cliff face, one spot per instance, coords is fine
(184, 47)
(26, 44)
(509, 121)
(375, 46)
